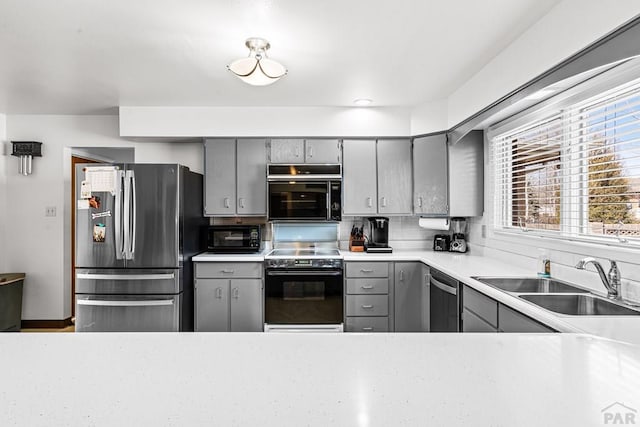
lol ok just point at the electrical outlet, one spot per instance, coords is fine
(50, 211)
(483, 230)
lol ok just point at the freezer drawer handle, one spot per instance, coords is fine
(448, 289)
(147, 303)
(125, 276)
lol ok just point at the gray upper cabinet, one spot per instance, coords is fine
(326, 151)
(251, 177)
(394, 177)
(220, 177)
(408, 297)
(466, 174)
(430, 188)
(377, 177)
(235, 177)
(359, 185)
(296, 151)
(286, 151)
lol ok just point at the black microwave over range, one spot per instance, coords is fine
(304, 192)
(233, 239)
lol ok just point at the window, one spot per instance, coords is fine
(574, 174)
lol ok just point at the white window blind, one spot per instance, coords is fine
(575, 174)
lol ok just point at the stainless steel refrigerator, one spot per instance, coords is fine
(137, 227)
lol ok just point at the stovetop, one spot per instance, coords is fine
(304, 253)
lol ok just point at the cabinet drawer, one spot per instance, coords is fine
(228, 269)
(367, 324)
(368, 286)
(512, 321)
(481, 305)
(472, 323)
(367, 305)
(367, 269)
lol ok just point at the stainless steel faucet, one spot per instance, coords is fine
(612, 283)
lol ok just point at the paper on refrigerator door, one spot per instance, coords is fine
(101, 178)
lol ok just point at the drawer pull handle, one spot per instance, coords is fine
(367, 328)
(364, 270)
(367, 286)
(367, 306)
(227, 271)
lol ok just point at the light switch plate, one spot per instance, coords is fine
(50, 211)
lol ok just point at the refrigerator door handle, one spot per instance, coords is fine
(127, 214)
(118, 230)
(134, 206)
(93, 276)
(131, 303)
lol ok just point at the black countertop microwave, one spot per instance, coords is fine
(233, 239)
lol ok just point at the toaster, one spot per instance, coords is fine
(441, 242)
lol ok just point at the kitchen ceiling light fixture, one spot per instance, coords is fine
(257, 69)
(362, 102)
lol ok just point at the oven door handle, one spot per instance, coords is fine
(304, 273)
(446, 288)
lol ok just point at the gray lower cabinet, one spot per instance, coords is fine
(481, 313)
(228, 297)
(368, 297)
(235, 177)
(426, 298)
(408, 301)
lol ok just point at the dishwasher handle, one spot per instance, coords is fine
(443, 287)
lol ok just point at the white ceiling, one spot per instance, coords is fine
(89, 56)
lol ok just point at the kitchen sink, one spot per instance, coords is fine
(525, 285)
(579, 305)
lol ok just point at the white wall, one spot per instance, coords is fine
(4, 152)
(565, 30)
(263, 121)
(429, 117)
(39, 245)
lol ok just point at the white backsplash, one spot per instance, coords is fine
(404, 232)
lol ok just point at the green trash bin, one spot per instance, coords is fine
(11, 301)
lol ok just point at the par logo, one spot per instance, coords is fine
(619, 414)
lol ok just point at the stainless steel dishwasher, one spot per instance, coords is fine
(444, 306)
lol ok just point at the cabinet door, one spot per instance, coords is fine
(408, 297)
(466, 158)
(322, 151)
(473, 323)
(394, 177)
(512, 321)
(252, 177)
(211, 305)
(246, 305)
(425, 298)
(287, 151)
(220, 177)
(430, 191)
(359, 185)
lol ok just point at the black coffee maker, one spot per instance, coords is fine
(378, 235)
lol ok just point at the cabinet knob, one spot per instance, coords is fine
(236, 293)
(420, 201)
(383, 202)
(310, 151)
(241, 202)
(367, 306)
(367, 286)
(401, 275)
(218, 292)
(369, 202)
(227, 203)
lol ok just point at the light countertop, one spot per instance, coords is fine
(204, 379)
(464, 266)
